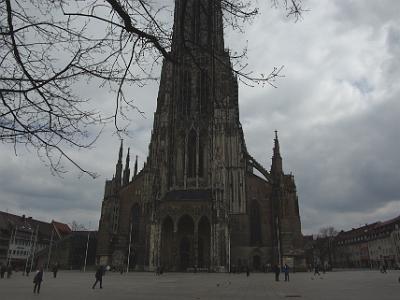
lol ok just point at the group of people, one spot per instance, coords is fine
(5, 269)
(37, 279)
(277, 271)
(160, 270)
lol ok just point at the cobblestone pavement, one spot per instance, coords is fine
(346, 285)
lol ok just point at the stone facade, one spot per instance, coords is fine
(370, 246)
(197, 201)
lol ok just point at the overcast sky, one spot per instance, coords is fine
(337, 112)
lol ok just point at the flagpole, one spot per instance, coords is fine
(34, 246)
(129, 248)
(30, 250)
(51, 244)
(12, 241)
(86, 253)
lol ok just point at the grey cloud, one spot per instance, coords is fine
(365, 12)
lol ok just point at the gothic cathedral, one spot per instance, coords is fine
(197, 202)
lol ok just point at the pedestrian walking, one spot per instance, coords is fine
(286, 271)
(55, 270)
(9, 271)
(247, 271)
(99, 277)
(316, 270)
(37, 280)
(2, 271)
(277, 272)
(27, 271)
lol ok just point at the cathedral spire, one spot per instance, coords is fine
(276, 145)
(120, 151)
(118, 167)
(276, 167)
(136, 166)
(127, 171)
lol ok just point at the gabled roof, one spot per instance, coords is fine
(61, 228)
(8, 222)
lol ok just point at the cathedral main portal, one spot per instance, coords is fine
(185, 235)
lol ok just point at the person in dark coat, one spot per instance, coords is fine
(37, 280)
(27, 271)
(316, 270)
(55, 270)
(99, 277)
(286, 271)
(247, 271)
(277, 272)
(2, 270)
(9, 271)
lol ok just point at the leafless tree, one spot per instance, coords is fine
(323, 244)
(75, 226)
(329, 231)
(47, 47)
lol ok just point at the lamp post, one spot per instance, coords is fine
(51, 244)
(30, 250)
(34, 247)
(87, 247)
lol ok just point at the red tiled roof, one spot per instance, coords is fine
(62, 228)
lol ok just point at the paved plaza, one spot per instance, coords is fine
(346, 285)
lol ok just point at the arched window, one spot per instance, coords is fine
(201, 155)
(203, 91)
(186, 92)
(255, 223)
(135, 223)
(192, 154)
(196, 21)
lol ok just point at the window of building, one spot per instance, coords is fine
(204, 94)
(186, 95)
(255, 223)
(201, 155)
(192, 154)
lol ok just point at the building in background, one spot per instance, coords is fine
(396, 243)
(201, 199)
(22, 237)
(76, 251)
(369, 246)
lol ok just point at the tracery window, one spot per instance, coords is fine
(186, 93)
(203, 91)
(255, 223)
(192, 154)
(201, 155)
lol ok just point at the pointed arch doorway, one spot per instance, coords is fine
(204, 243)
(185, 240)
(167, 238)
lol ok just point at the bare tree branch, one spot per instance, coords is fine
(49, 49)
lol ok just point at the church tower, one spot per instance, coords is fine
(196, 148)
(197, 201)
